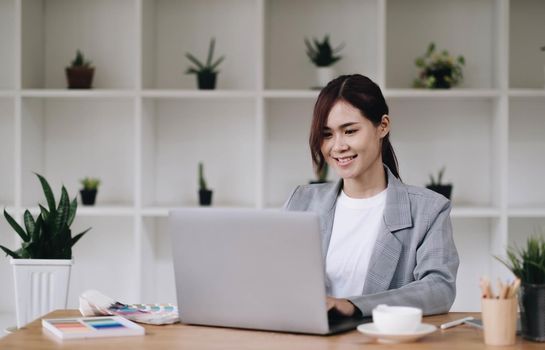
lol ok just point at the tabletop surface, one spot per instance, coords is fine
(181, 336)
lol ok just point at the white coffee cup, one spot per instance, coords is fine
(397, 319)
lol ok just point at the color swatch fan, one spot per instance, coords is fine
(94, 303)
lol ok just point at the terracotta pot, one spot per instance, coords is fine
(79, 78)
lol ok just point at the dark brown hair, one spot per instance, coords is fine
(363, 94)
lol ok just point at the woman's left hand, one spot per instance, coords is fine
(344, 306)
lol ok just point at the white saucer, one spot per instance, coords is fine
(370, 330)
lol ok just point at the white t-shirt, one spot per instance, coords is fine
(355, 229)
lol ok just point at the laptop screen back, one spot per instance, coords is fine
(258, 269)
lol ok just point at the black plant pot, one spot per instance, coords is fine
(206, 81)
(445, 190)
(441, 75)
(88, 197)
(532, 311)
(205, 197)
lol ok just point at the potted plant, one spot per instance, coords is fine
(529, 265)
(323, 56)
(46, 252)
(439, 70)
(206, 73)
(321, 176)
(437, 185)
(89, 191)
(205, 194)
(80, 73)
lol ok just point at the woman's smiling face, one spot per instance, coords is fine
(351, 143)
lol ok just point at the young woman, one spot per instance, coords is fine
(384, 242)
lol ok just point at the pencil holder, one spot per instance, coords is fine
(499, 321)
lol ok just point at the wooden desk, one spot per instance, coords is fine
(194, 337)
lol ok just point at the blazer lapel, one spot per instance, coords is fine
(397, 216)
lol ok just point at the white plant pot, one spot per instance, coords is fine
(325, 75)
(41, 286)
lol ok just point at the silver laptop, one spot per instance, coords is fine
(257, 269)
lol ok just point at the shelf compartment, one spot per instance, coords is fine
(465, 212)
(108, 251)
(169, 29)
(104, 31)
(540, 93)
(200, 94)
(157, 267)
(163, 211)
(526, 60)
(95, 210)
(7, 151)
(353, 22)
(178, 134)
(78, 94)
(535, 212)
(8, 239)
(67, 139)
(454, 93)
(468, 234)
(296, 94)
(520, 229)
(410, 22)
(457, 136)
(288, 162)
(7, 94)
(526, 149)
(7, 43)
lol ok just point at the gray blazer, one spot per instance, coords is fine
(414, 261)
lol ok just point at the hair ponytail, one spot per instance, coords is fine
(389, 157)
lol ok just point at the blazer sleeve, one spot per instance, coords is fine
(434, 287)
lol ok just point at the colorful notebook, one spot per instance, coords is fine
(92, 327)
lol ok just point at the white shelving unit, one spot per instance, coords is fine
(144, 126)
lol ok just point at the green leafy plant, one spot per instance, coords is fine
(49, 235)
(205, 68)
(202, 181)
(439, 70)
(90, 183)
(79, 61)
(527, 264)
(321, 53)
(437, 181)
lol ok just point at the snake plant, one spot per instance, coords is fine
(49, 235)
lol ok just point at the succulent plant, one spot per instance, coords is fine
(438, 70)
(79, 61)
(321, 53)
(438, 181)
(90, 183)
(49, 235)
(528, 264)
(202, 181)
(207, 68)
